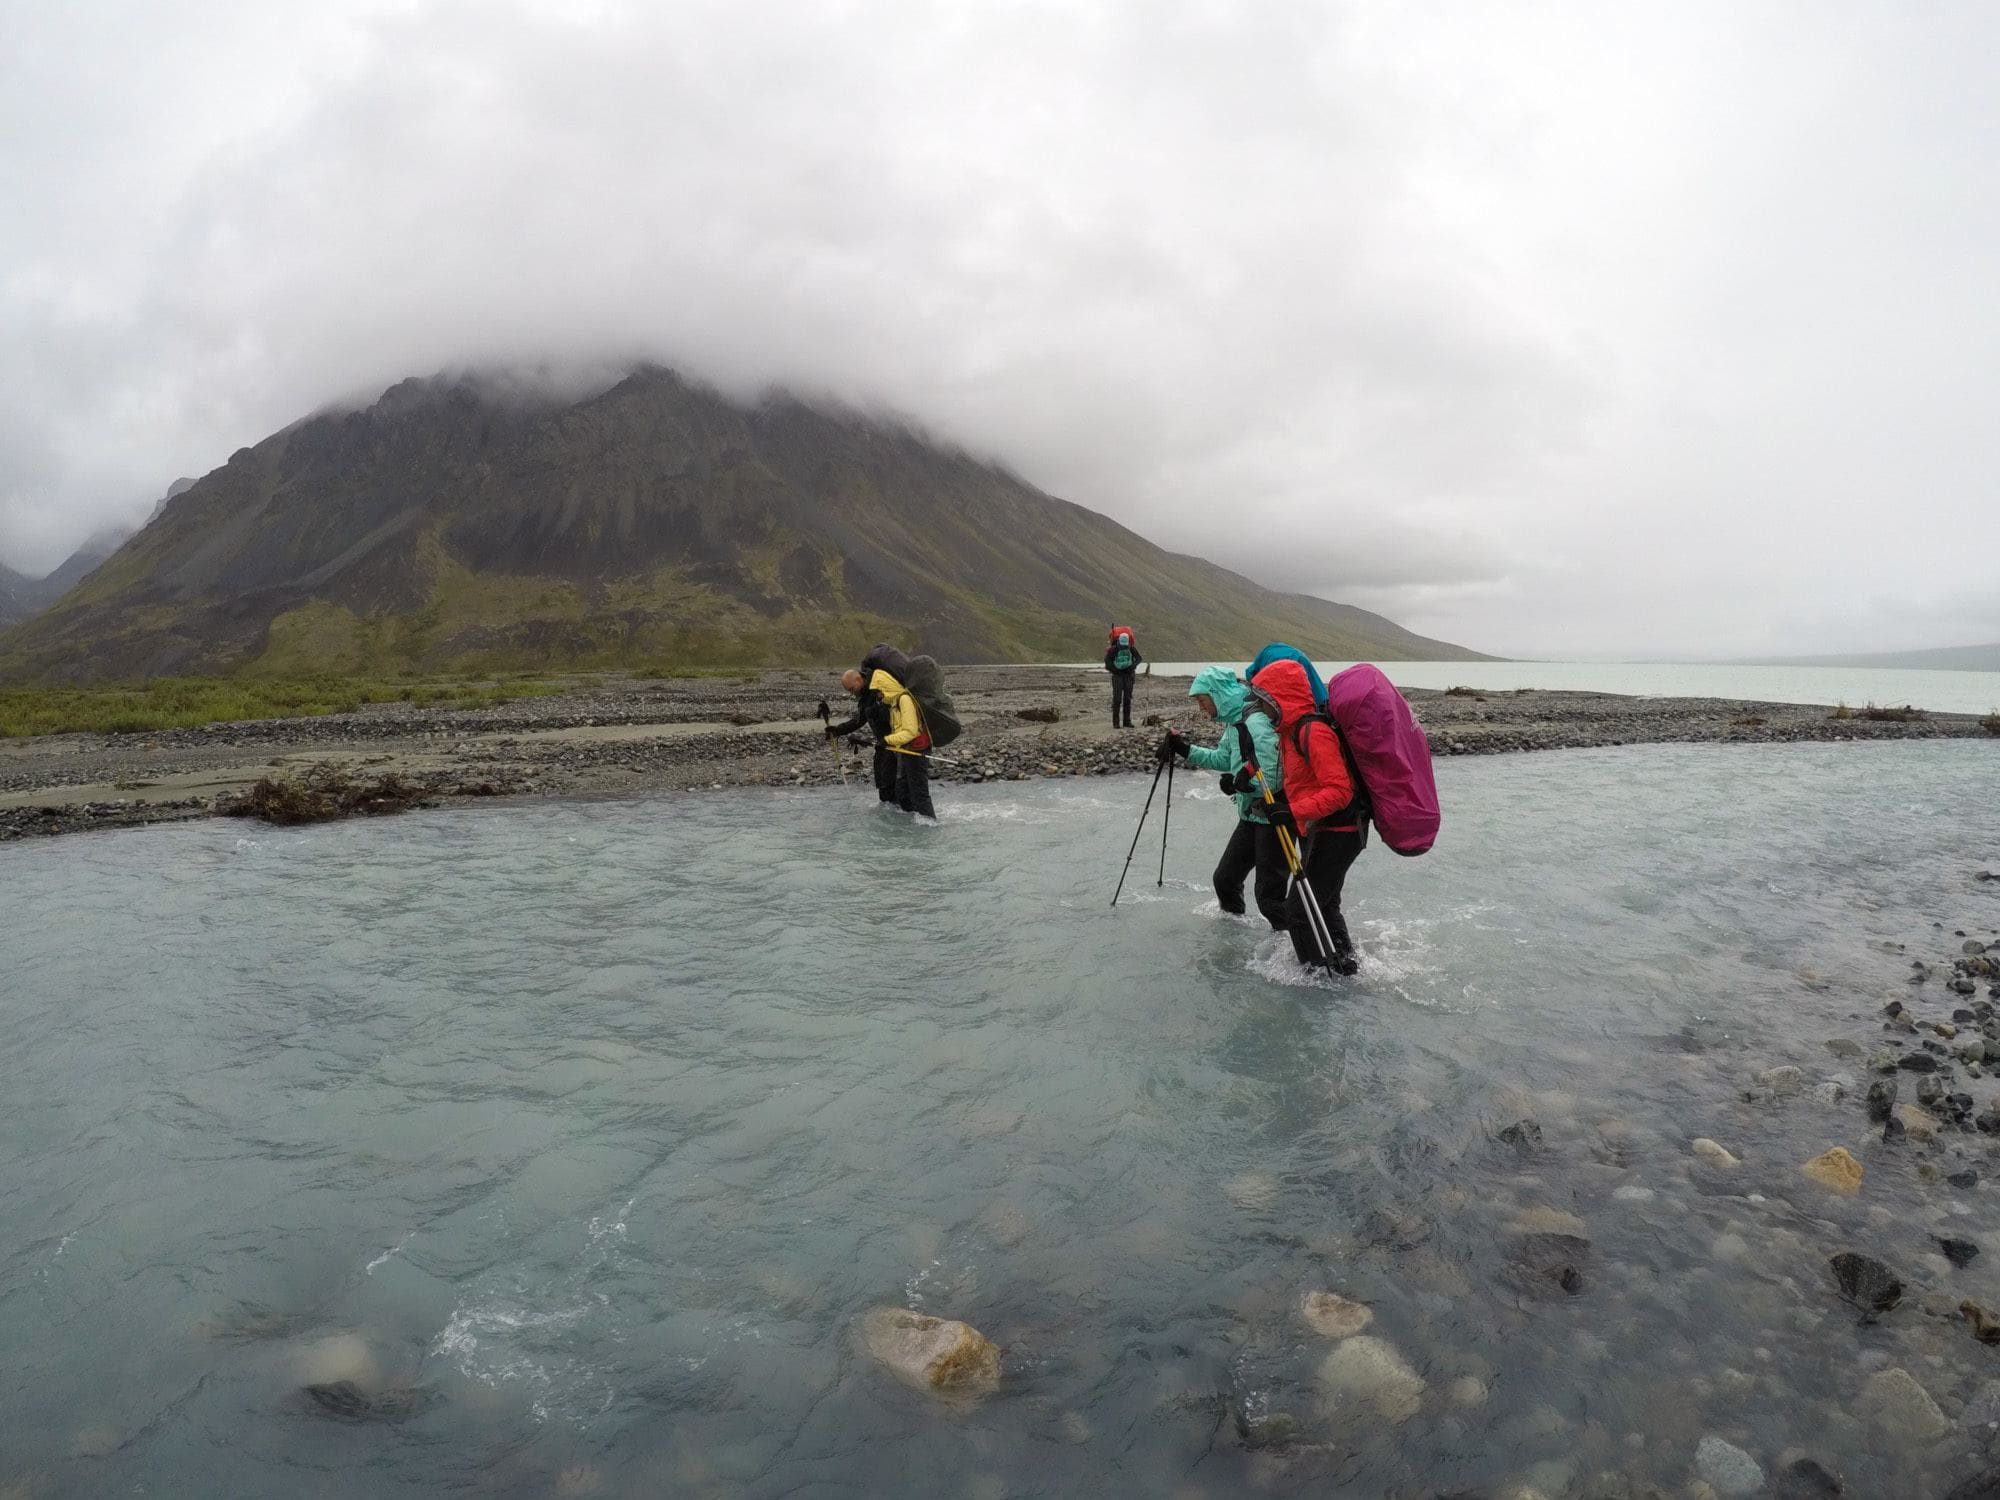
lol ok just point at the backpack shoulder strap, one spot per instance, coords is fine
(1359, 803)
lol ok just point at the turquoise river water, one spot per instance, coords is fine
(577, 1139)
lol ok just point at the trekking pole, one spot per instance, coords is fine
(826, 718)
(1315, 918)
(1137, 831)
(1166, 820)
(941, 760)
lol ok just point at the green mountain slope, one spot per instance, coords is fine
(453, 525)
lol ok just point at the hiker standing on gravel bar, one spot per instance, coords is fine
(1248, 737)
(1122, 662)
(1321, 810)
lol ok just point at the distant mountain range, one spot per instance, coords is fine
(1940, 658)
(456, 523)
(22, 597)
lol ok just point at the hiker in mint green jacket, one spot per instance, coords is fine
(1220, 694)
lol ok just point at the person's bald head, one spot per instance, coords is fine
(851, 680)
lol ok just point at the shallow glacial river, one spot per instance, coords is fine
(564, 1147)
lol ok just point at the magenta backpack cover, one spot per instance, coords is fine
(1394, 758)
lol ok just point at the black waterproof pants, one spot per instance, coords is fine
(885, 772)
(1121, 698)
(1326, 857)
(913, 784)
(1253, 846)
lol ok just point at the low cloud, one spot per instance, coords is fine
(1560, 328)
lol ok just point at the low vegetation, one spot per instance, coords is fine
(1907, 714)
(1465, 692)
(185, 702)
(1991, 723)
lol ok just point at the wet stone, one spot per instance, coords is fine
(1524, 1134)
(1881, 1099)
(1713, 1152)
(1727, 1467)
(1985, 1327)
(1983, 1410)
(1896, 1404)
(1333, 1316)
(1866, 1281)
(1369, 1378)
(1917, 1062)
(1807, 1479)
(1959, 1252)
(1836, 1169)
(1548, 1265)
(1966, 1178)
(350, 1403)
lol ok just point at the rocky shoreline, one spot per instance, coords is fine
(616, 734)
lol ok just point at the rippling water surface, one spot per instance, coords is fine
(577, 1138)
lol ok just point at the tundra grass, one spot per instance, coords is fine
(185, 702)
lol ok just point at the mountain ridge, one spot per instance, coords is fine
(456, 524)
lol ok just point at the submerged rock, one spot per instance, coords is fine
(1543, 1220)
(1866, 1281)
(1959, 1252)
(1895, 1404)
(1782, 1081)
(1334, 1316)
(1548, 1265)
(1525, 1134)
(1727, 1467)
(1713, 1152)
(339, 1359)
(1808, 1479)
(1983, 1410)
(1985, 1327)
(938, 1355)
(1366, 1376)
(1881, 1099)
(1836, 1169)
(1254, 1192)
(349, 1402)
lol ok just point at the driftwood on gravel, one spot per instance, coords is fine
(324, 794)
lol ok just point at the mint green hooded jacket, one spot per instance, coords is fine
(1231, 697)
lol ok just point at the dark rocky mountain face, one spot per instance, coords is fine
(450, 525)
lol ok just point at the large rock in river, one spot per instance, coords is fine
(937, 1355)
(1896, 1405)
(1366, 1377)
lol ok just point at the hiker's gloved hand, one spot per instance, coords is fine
(1244, 781)
(1278, 815)
(1228, 783)
(1174, 743)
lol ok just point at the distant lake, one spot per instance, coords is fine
(1941, 692)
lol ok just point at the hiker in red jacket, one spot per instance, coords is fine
(1321, 808)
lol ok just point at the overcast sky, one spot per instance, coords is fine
(1562, 329)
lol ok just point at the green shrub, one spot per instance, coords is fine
(187, 702)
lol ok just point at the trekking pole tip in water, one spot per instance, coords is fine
(1137, 831)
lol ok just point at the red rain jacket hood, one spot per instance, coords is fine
(1316, 782)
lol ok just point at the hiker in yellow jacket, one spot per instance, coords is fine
(904, 737)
